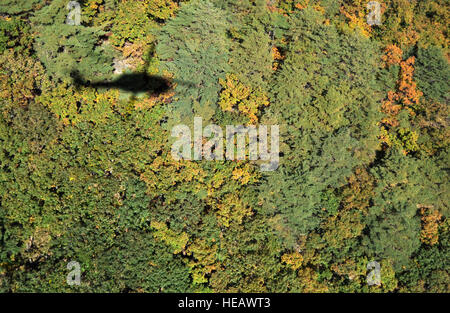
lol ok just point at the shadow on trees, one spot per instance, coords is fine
(131, 82)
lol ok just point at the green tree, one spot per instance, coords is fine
(193, 47)
(325, 98)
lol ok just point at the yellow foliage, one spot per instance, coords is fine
(175, 240)
(247, 101)
(244, 174)
(75, 106)
(310, 282)
(293, 259)
(204, 261)
(232, 209)
(388, 281)
(19, 76)
(357, 20)
(165, 173)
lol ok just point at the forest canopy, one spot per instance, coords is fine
(87, 174)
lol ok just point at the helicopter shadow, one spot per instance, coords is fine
(135, 83)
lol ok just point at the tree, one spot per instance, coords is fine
(327, 120)
(75, 48)
(193, 46)
(404, 185)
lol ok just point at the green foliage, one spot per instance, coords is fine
(83, 188)
(327, 119)
(14, 34)
(405, 185)
(15, 7)
(87, 174)
(427, 272)
(251, 52)
(64, 48)
(72, 49)
(193, 47)
(130, 22)
(433, 73)
(22, 78)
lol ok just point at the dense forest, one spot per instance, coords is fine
(87, 175)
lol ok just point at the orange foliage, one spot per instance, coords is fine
(406, 86)
(277, 57)
(407, 95)
(299, 6)
(393, 55)
(430, 225)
